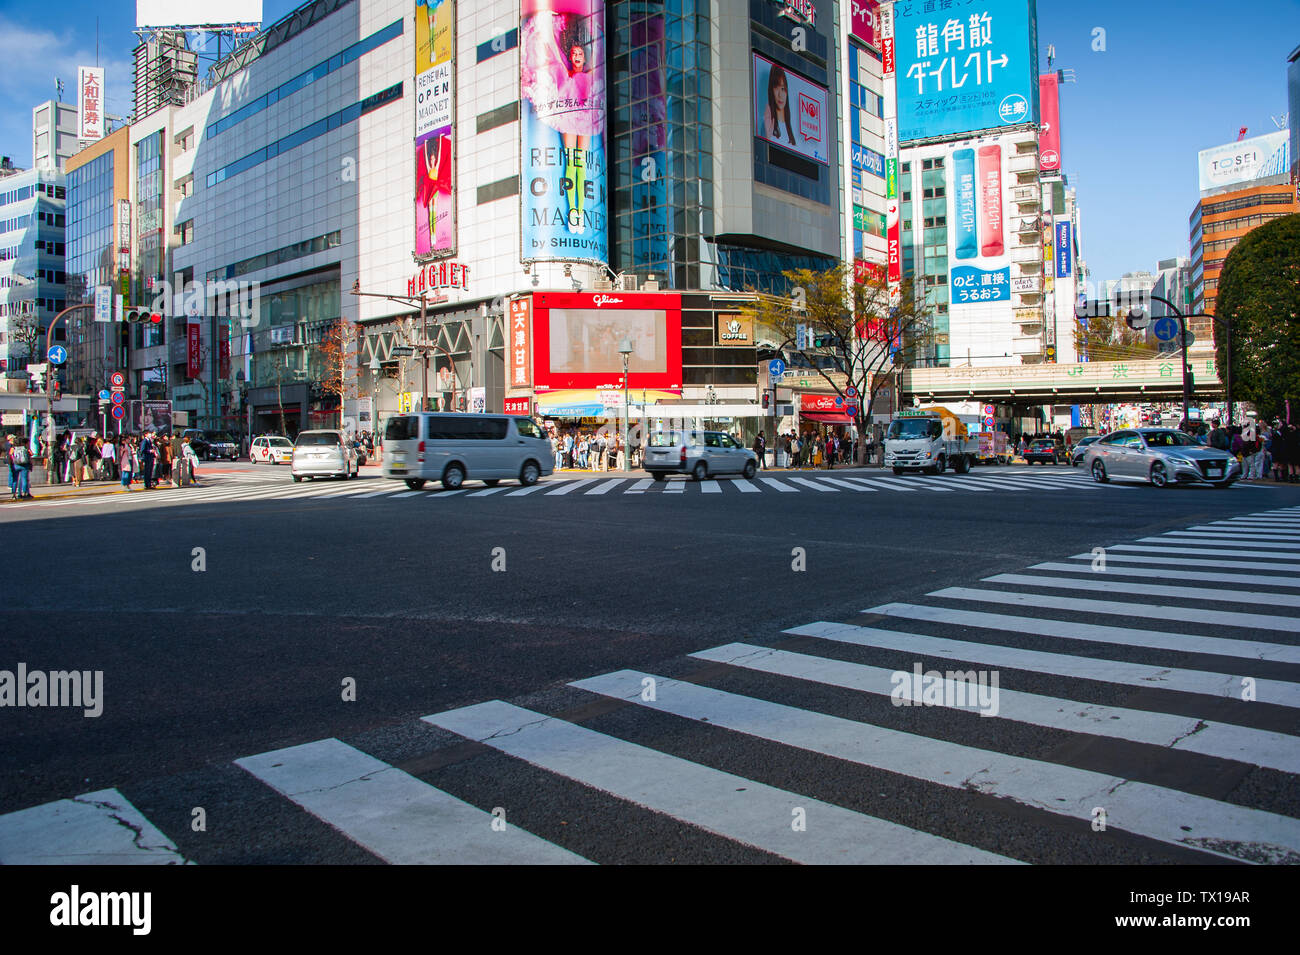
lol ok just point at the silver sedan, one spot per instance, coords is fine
(1162, 456)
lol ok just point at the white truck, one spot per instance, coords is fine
(931, 440)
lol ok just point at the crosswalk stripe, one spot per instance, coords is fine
(747, 487)
(442, 493)
(605, 487)
(1175, 538)
(530, 489)
(773, 482)
(408, 494)
(1097, 669)
(1192, 561)
(1185, 733)
(1177, 573)
(893, 484)
(1251, 536)
(1153, 590)
(1198, 550)
(99, 828)
(399, 818)
(486, 491)
(813, 484)
(675, 487)
(570, 486)
(1095, 632)
(731, 806)
(852, 487)
(1124, 609)
(640, 486)
(1171, 816)
(710, 487)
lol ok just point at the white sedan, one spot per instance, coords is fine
(270, 449)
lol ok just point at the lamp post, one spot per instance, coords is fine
(1182, 331)
(625, 349)
(49, 375)
(375, 370)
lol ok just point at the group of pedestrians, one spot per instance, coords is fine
(148, 460)
(813, 450)
(1261, 449)
(587, 451)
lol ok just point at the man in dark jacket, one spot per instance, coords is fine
(1218, 437)
(760, 448)
(148, 456)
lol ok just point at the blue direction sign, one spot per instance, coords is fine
(1165, 329)
(776, 368)
(57, 354)
(103, 395)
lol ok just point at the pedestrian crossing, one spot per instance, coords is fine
(1006, 721)
(817, 484)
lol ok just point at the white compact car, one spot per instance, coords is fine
(323, 454)
(271, 449)
(453, 448)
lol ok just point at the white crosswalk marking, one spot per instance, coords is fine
(640, 486)
(98, 828)
(1174, 537)
(1140, 808)
(529, 490)
(1275, 750)
(747, 487)
(606, 487)
(675, 487)
(394, 815)
(1066, 665)
(852, 487)
(1113, 570)
(1128, 558)
(1199, 550)
(812, 484)
(483, 493)
(718, 802)
(773, 482)
(570, 486)
(1152, 590)
(710, 487)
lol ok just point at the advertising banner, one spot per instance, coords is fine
(735, 330)
(223, 350)
(1254, 158)
(435, 124)
(577, 337)
(966, 67)
(150, 416)
(1049, 135)
(194, 351)
(789, 110)
(979, 269)
(562, 131)
(863, 22)
(868, 160)
(90, 103)
(518, 406)
(518, 349)
(1063, 248)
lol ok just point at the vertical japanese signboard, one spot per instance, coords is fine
(893, 236)
(518, 331)
(978, 266)
(863, 22)
(435, 142)
(90, 103)
(1063, 249)
(562, 131)
(1049, 135)
(965, 66)
(194, 350)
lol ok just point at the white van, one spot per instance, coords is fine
(453, 447)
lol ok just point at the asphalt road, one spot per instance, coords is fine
(429, 603)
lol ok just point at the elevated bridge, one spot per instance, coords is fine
(1091, 382)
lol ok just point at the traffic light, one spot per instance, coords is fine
(767, 401)
(461, 403)
(139, 315)
(826, 341)
(57, 389)
(1051, 353)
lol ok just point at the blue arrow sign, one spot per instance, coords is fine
(57, 354)
(1165, 329)
(776, 368)
(103, 395)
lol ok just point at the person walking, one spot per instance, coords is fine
(20, 469)
(760, 449)
(188, 462)
(127, 464)
(108, 460)
(76, 460)
(148, 459)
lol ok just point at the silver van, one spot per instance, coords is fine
(451, 448)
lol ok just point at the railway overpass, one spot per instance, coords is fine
(1092, 382)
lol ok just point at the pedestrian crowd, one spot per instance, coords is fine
(576, 449)
(1261, 449)
(147, 460)
(813, 450)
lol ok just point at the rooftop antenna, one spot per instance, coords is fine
(1241, 133)
(1051, 55)
(1281, 121)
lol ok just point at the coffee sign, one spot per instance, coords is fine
(735, 330)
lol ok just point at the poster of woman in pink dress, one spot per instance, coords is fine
(562, 83)
(433, 199)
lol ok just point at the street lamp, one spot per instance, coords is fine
(1182, 330)
(375, 370)
(625, 349)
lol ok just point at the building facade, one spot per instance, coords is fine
(32, 224)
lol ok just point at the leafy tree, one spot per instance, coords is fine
(337, 357)
(869, 341)
(1259, 297)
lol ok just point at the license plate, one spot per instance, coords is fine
(398, 467)
(1214, 472)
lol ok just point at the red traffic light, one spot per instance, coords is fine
(155, 318)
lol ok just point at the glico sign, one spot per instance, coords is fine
(438, 275)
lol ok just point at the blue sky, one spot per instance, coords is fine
(1176, 76)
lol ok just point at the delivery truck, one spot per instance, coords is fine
(930, 440)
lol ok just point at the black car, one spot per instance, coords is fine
(211, 445)
(1043, 451)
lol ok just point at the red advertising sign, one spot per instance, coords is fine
(990, 190)
(518, 406)
(517, 348)
(194, 366)
(821, 404)
(577, 337)
(223, 351)
(438, 275)
(894, 240)
(887, 55)
(1049, 138)
(864, 271)
(864, 20)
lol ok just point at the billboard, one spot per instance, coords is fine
(518, 350)
(1254, 158)
(435, 143)
(790, 111)
(863, 20)
(184, 13)
(562, 131)
(1049, 135)
(90, 103)
(577, 335)
(1064, 249)
(972, 65)
(978, 268)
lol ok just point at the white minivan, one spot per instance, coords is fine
(451, 448)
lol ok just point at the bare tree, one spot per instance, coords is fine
(865, 342)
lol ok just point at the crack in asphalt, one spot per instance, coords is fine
(137, 831)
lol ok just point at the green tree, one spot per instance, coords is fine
(1259, 297)
(869, 342)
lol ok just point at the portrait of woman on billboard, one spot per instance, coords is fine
(778, 106)
(433, 200)
(563, 80)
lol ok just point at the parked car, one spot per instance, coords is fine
(451, 448)
(700, 454)
(210, 445)
(1042, 451)
(323, 454)
(271, 449)
(1076, 456)
(1162, 456)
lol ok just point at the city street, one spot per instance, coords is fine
(611, 670)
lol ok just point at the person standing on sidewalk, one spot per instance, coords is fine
(760, 448)
(148, 457)
(13, 468)
(128, 462)
(20, 463)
